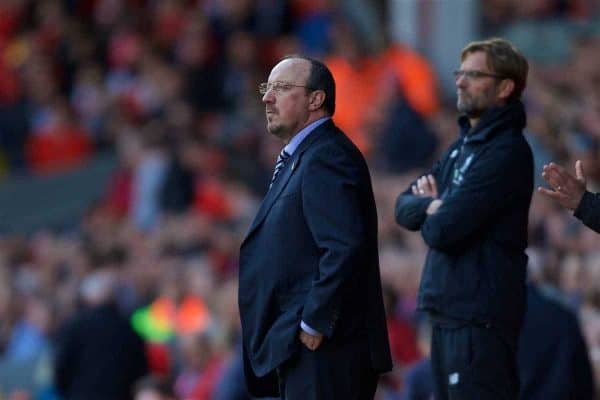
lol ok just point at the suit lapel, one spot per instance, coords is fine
(284, 176)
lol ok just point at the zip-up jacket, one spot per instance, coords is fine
(476, 265)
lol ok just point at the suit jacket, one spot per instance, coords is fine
(311, 254)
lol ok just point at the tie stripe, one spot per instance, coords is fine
(281, 159)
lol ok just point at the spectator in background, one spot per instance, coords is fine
(418, 384)
(153, 388)
(99, 356)
(59, 142)
(553, 358)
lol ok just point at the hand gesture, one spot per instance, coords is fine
(567, 189)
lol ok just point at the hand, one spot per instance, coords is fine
(425, 187)
(433, 206)
(567, 189)
(311, 342)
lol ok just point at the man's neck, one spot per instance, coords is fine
(473, 122)
(311, 118)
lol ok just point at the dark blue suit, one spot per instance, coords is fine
(311, 254)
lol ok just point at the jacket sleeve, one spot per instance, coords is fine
(332, 208)
(500, 175)
(411, 210)
(588, 211)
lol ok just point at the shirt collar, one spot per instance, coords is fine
(291, 147)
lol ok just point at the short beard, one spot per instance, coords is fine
(277, 131)
(470, 110)
(475, 107)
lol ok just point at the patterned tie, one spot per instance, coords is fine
(281, 159)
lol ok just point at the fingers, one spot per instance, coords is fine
(425, 186)
(549, 193)
(311, 342)
(567, 200)
(579, 171)
(557, 176)
(561, 173)
(422, 185)
(433, 185)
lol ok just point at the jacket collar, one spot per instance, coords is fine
(285, 174)
(493, 121)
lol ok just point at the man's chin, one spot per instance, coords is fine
(469, 111)
(275, 130)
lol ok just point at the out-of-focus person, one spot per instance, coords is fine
(99, 356)
(153, 388)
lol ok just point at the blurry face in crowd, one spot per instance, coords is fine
(149, 394)
(287, 100)
(477, 94)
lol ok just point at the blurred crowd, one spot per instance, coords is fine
(171, 86)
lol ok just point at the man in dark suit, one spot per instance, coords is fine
(310, 300)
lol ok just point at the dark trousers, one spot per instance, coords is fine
(333, 371)
(473, 363)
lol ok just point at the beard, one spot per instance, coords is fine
(276, 129)
(475, 106)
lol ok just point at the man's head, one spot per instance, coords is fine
(300, 90)
(492, 73)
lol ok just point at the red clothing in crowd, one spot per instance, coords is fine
(58, 149)
(403, 341)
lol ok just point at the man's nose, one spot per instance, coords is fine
(461, 82)
(268, 97)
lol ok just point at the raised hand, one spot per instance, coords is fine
(566, 189)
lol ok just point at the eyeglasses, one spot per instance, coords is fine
(474, 74)
(277, 87)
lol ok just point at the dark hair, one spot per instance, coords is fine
(320, 78)
(503, 59)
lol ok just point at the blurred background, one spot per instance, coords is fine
(134, 154)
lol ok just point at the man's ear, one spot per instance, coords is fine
(316, 100)
(505, 88)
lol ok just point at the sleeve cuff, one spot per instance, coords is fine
(308, 329)
(585, 204)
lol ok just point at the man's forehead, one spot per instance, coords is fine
(475, 58)
(291, 68)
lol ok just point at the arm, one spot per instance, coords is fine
(413, 203)
(332, 207)
(588, 210)
(491, 183)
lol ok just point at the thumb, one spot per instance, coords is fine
(579, 171)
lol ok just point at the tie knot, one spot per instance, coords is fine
(284, 155)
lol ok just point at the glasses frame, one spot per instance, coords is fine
(474, 74)
(278, 87)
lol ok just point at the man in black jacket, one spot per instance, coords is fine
(472, 210)
(99, 356)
